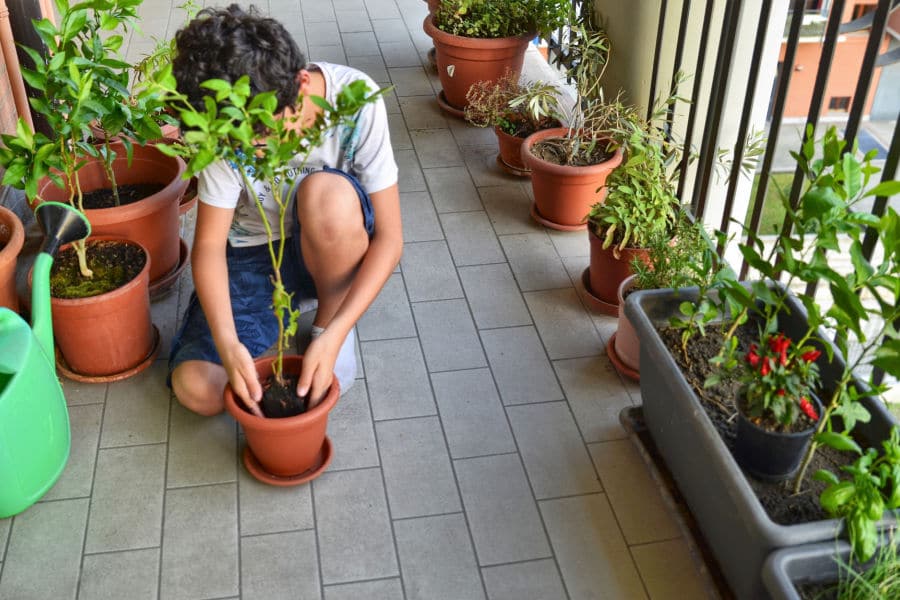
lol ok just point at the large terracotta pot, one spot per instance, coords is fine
(12, 236)
(110, 336)
(563, 195)
(290, 450)
(606, 273)
(433, 5)
(152, 222)
(624, 348)
(463, 61)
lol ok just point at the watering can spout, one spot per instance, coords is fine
(61, 224)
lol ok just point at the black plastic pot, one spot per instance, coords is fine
(739, 532)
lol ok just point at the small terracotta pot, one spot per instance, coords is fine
(511, 151)
(12, 237)
(463, 61)
(152, 222)
(564, 195)
(608, 272)
(289, 446)
(109, 334)
(627, 345)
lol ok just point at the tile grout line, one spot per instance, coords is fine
(162, 525)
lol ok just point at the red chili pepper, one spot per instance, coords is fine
(765, 369)
(780, 392)
(807, 407)
(752, 356)
(812, 355)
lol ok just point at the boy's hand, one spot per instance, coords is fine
(242, 375)
(317, 372)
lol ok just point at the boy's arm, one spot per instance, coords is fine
(211, 283)
(379, 262)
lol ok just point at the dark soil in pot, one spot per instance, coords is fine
(553, 150)
(782, 506)
(281, 401)
(112, 263)
(522, 128)
(128, 193)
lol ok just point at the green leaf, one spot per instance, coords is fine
(851, 412)
(852, 175)
(836, 496)
(826, 477)
(838, 441)
(886, 189)
(887, 357)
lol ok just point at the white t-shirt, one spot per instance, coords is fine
(363, 150)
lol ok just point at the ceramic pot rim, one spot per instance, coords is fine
(441, 36)
(534, 161)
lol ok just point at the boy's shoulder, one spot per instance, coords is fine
(338, 76)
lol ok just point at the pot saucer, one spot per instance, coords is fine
(449, 108)
(161, 286)
(511, 169)
(64, 368)
(552, 224)
(321, 463)
(596, 303)
(618, 363)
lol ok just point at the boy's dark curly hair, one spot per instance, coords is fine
(230, 43)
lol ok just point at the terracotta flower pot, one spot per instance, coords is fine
(511, 153)
(12, 236)
(169, 132)
(152, 222)
(625, 350)
(433, 5)
(110, 336)
(290, 450)
(563, 195)
(606, 273)
(463, 61)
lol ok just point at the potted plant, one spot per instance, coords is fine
(569, 165)
(690, 395)
(12, 237)
(480, 40)
(285, 436)
(515, 111)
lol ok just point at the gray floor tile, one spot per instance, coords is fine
(508, 207)
(361, 43)
(554, 454)
(354, 528)
(570, 243)
(200, 543)
(352, 21)
(399, 135)
(389, 316)
(584, 526)
(371, 65)
(77, 478)
(78, 393)
(668, 571)
(471, 239)
(534, 261)
(280, 566)
(201, 449)
(535, 580)
(473, 417)
(520, 366)
(429, 272)
(596, 396)
(436, 148)
(410, 178)
(400, 54)
(482, 164)
(4, 535)
(437, 559)
(351, 431)
(164, 313)
(420, 222)
(410, 80)
(332, 53)
(452, 189)
(565, 328)
(389, 29)
(383, 589)
(416, 468)
(397, 392)
(127, 503)
(315, 11)
(271, 509)
(467, 134)
(133, 575)
(605, 324)
(502, 513)
(391, 103)
(48, 533)
(137, 409)
(634, 496)
(494, 296)
(448, 336)
(422, 112)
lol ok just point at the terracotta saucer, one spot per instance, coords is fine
(596, 303)
(618, 363)
(257, 470)
(63, 367)
(449, 108)
(553, 225)
(161, 286)
(511, 169)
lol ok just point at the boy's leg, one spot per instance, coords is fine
(199, 385)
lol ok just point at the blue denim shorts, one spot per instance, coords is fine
(250, 288)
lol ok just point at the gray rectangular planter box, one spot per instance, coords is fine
(734, 523)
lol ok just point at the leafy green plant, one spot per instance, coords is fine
(878, 580)
(518, 109)
(501, 18)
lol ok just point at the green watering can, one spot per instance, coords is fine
(34, 421)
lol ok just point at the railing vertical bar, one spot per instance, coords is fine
(887, 174)
(714, 111)
(660, 30)
(747, 109)
(676, 66)
(692, 114)
(781, 94)
(876, 38)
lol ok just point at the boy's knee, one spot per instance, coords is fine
(198, 392)
(327, 202)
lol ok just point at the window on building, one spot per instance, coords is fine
(839, 103)
(862, 9)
